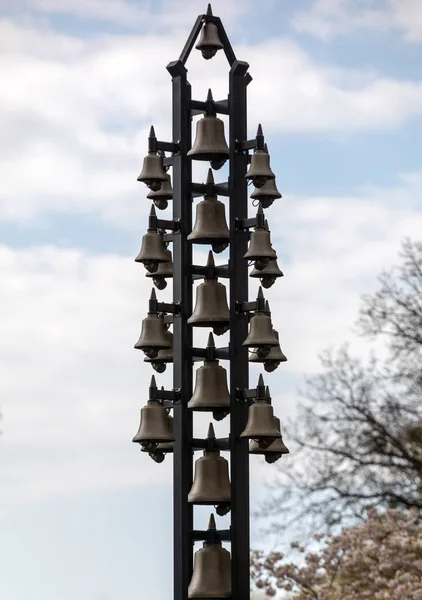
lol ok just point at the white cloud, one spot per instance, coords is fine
(329, 18)
(72, 385)
(77, 111)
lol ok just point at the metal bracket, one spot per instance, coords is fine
(210, 271)
(245, 395)
(220, 106)
(242, 224)
(211, 444)
(158, 394)
(210, 189)
(155, 223)
(211, 353)
(211, 535)
(155, 145)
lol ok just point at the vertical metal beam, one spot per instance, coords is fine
(182, 332)
(239, 448)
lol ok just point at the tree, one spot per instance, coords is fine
(377, 560)
(359, 432)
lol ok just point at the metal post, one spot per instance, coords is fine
(182, 344)
(239, 448)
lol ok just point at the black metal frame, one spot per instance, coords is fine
(184, 273)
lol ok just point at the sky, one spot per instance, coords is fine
(338, 90)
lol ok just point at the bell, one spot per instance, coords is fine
(274, 450)
(211, 308)
(159, 452)
(260, 170)
(210, 223)
(153, 334)
(209, 42)
(267, 275)
(211, 577)
(155, 426)
(261, 425)
(211, 484)
(163, 272)
(161, 196)
(163, 357)
(153, 250)
(210, 143)
(153, 173)
(260, 249)
(261, 335)
(211, 391)
(272, 359)
(265, 194)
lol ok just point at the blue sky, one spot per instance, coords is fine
(337, 88)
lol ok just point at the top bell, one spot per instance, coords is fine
(209, 42)
(210, 143)
(153, 173)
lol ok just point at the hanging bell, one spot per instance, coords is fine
(261, 335)
(159, 363)
(155, 426)
(210, 143)
(211, 577)
(209, 41)
(153, 333)
(211, 484)
(260, 170)
(272, 360)
(153, 250)
(267, 275)
(159, 452)
(161, 196)
(274, 450)
(210, 223)
(260, 249)
(153, 173)
(266, 194)
(211, 308)
(163, 272)
(211, 392)
(261, 425)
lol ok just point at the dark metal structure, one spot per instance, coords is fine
(178, 433)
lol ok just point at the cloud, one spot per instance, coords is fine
(77, 111)
(329, 18)
(72, 385)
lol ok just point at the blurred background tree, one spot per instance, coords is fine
(358, 435)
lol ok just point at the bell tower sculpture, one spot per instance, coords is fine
(167, 419)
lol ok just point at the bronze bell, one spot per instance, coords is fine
(210, 223)
(267, 275)
(260, 170)
(153, 333)
(273, 359)
(153, 250)
(210, 143)
(211, 391)
(266, 194)
(159, 451)
(163, 272)
(155, 426)
(261, 335)
(260, 249)
(153, 173)
(274, 450)
(163, 357)
(261, 425)
(161, 196)
(211, 484)
(211, 577)
(211, 308)
(209, 41)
